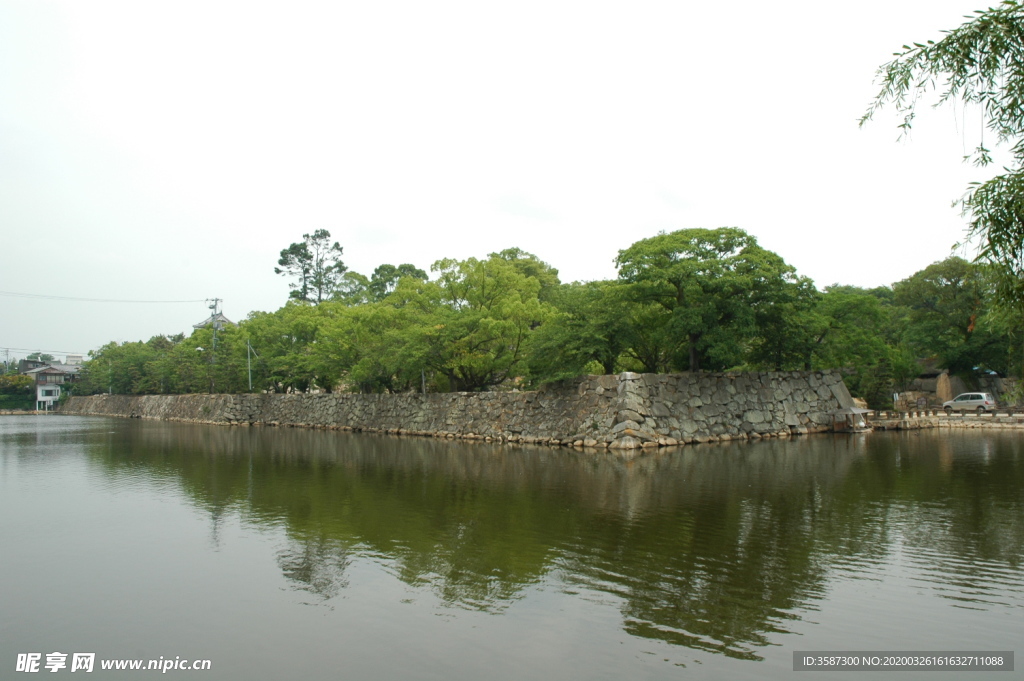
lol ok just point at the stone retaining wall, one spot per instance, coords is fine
(627, 411)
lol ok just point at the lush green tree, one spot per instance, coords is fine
(353, 289)
(353, 347)
(374, 348)
(17, 391)
(286, 341)
(472, 324)
(1008, 323)
(465, 331)
(785, 320)
(226, 356)
(358, 289)
(386, 277)
(863, 332)
(17, 384)
(654, 345)
(124, 366)
(169, 365)
(315, 263)
(946, 304)
(189, 364)
(978, 63)
(709, 285)
(848, 329)
(136, 368)
(591, 325)
(530, 265)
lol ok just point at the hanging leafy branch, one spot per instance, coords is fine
(980, 63)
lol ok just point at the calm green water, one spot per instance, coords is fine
(292, 554)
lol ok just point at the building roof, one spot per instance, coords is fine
(55, 368)
(218, 320)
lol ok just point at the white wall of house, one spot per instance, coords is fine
(47, 395)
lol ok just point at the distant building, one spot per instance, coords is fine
(217, 321)
(75, 361)
(25, 365)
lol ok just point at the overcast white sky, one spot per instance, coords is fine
(170, 150)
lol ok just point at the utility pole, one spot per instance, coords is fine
(215, 307)
(248, 359)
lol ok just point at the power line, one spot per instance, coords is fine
(59, 352)
(14, 294)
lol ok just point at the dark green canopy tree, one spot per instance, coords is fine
(947, 304)
(386, 277)
(591, 325)
(711, 286)
(531, 266)
(476, 320)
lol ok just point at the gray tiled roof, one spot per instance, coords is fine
(221, 320)
(57, 367)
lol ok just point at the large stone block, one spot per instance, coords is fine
(626, 442)
(625, 425)
(753, 416)
(711, 411)
(660, 409)
(628, 415)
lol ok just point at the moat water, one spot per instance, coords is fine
(297, 554)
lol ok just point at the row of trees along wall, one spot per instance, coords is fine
(628, 411)
(690, 300)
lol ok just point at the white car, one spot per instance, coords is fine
(979, 402)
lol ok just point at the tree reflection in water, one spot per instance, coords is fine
(713, 547)
(316, 565)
